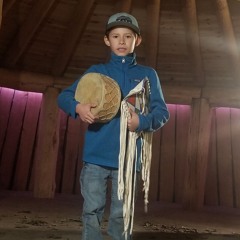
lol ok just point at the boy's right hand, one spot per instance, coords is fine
(85, 114)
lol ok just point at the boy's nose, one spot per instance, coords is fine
(122, 41)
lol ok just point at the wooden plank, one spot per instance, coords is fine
(71, 156)
(235, 133)
(26, 145)
(182, 125)
(6, 98)
(61, 149)
(10, 147)
(74, 31)
(83, 128)
(224, 161)
(47, 146)
(211, 189)
(166, 188)
(153, 13)
(27, 31)
(197, 154)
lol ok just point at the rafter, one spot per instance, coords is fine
(7, 6)
(193, 42)
(227, 28)
(1, 11)
(124, 6)
(153, 13)
(76, 28)
(27, 31)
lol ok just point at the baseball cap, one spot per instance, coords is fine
(123, 19)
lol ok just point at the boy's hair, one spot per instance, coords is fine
(122, 19)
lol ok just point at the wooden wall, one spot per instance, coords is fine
(19, 120)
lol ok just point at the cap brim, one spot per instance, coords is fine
(122, 24)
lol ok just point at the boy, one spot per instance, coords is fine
(101, 147)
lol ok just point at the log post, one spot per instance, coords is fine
(47, 146)
(197, 154)
(153, 10)
(228, 31)
(193, 42)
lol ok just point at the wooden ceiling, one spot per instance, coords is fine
(188, 42)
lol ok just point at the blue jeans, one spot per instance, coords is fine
(93, 182)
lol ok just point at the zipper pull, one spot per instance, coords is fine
(123, 60)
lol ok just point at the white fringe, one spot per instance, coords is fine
(127, 168)
(146, 164)
(130, 183)
(121, 157)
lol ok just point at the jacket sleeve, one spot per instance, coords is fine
(66, 100)
(158, 113)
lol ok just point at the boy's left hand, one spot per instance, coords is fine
(133, 121)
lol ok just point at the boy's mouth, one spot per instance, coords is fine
(121, 49)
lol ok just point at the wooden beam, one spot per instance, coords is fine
(174, 94)
(27, 31)
(222, 96)
(1, 12)
(217, 96)
(75, 30)
(193, 42)
(47, 146)
(197, 154)
(231, 43)
(33, 82)
(153, 13)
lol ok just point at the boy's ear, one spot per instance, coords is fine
(139, 40)
(106, 40)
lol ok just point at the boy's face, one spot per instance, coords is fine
(122, 41)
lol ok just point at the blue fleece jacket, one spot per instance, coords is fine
(101, 145)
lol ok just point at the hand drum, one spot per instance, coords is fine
(102, 90)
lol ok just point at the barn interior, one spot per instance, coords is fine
(194, 45)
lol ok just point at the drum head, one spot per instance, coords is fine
(99, 89)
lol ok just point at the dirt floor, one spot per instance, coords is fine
(23, 217)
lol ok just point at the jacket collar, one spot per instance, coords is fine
(128, 60)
